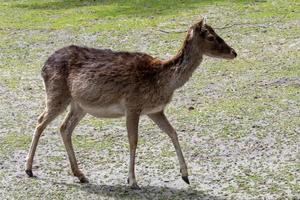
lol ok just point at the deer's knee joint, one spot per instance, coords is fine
(40, 119)
(65, 133)
(39, 129)
(63, 128)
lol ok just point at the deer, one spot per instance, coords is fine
(111, 84)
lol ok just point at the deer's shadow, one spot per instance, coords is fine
(146, 192)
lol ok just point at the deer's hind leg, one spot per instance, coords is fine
(58, 98)
(54, 107)
(72, 119)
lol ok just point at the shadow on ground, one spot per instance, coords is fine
(146, 192)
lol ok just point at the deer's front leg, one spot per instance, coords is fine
(163, 123)
(132, 122)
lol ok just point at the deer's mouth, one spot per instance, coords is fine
(231, 55)
(224, 56)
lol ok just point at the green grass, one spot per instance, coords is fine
(13, 142)
(88, 143)
(125, 15)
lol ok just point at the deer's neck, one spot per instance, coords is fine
(181, 67)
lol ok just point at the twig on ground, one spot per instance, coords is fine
(170, 31)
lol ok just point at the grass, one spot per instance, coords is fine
(88, 143)
(250, 102)
(12, 142)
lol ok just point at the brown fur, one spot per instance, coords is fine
(106, 83)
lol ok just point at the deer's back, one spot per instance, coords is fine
(104, 78)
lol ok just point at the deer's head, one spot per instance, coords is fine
(209, 42)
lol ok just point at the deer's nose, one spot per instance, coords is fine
(233, 52)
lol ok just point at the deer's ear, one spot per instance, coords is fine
(191, 34)
(204, 19)
(202, 22)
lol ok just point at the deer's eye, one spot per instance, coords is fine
(204, 31)
(210, 38)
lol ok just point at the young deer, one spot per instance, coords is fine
(112, 84)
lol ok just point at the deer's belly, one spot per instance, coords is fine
(110, 111)
(117, 110)
(156, 109)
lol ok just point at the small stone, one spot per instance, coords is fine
(191, 108)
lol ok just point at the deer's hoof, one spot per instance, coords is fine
(29, 172)
(186, 179)
(83, 179)
(135, 186)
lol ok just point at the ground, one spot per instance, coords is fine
(237, 121)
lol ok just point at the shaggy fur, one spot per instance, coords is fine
(110, 84)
